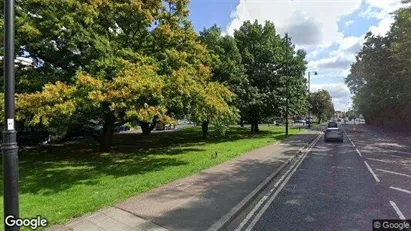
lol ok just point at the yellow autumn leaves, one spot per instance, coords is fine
(137, 90)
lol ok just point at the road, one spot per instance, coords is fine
(338, 186)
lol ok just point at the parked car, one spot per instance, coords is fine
(333, 132)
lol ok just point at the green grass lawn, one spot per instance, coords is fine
(63, 182)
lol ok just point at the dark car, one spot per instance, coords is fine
(333, 132)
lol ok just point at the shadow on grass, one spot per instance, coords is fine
(49, 178)
(52, 169)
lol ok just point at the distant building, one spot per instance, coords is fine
(339, 114)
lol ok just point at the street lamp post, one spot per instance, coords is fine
(286, 84)
(9, 147)
(309, 97)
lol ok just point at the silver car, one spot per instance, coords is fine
(333, 132)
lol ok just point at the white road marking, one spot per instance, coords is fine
(262, 211)
(396, 173)
(359, 153)
(251, 213)
(368, 166)
(349, 139)
(400, 189)
(400, 215)
(385, 161)
(258, 205)
(372, 172)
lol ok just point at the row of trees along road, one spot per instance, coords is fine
(381, 76)
(110, 62)
(252, 64)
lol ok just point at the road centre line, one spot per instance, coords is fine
(262, 211)
(400, 189)
(358, 151)
(396, 173)
(349, 139)
(399, 213)
(252, 212)
(372, 172)
(368, 166)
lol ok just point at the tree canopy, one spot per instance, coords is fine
(380, 77)
(113, 62)
(102, 62)
(321, 105)
(253, 64)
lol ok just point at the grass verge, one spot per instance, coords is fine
(62, 182)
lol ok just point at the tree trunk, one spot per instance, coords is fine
(204, 128)
(241, 122)
(108, 131)
(145, 127)
(254, 126)
(148, 127)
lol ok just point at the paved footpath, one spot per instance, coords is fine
(196, 202)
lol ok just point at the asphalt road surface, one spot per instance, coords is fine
(338, 186)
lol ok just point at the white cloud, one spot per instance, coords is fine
(351, 44)
(340, 58)
(339, 92)
(383, 26)
(309, 23)
(372, 12)
(381, 9)
(313, 26)
(312, 55)
(385, 5)
(336, 62)
(348, 23)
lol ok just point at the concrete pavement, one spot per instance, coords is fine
(196, 202)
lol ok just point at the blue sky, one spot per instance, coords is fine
(339, 24)
(205, 13)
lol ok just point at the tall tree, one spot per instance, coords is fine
(380, 76)
(321, 105)
(116, 61)
(227, 67)
(263, 54)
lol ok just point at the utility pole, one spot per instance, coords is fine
(9, 147)
(286, 84)
(309, 97)
(309, 102)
